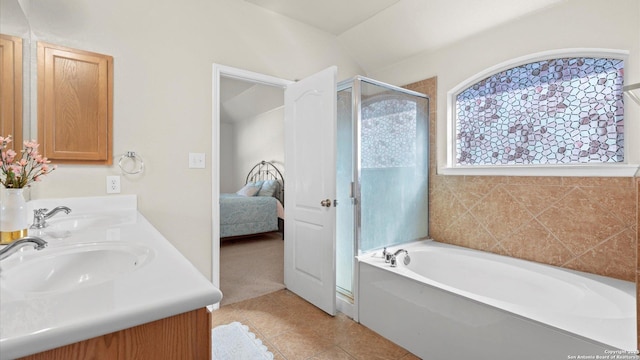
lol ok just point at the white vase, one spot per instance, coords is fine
(13, 215)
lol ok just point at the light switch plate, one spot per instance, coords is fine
(196, 161)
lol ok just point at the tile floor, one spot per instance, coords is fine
(293, 329)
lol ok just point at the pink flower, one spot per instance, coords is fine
(31, 144)
(5, 140)
(10, 155)
(18, 170)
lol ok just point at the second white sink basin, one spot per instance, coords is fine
(68, 267)
(85, 221)
(63, 226)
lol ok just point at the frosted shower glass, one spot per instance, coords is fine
(345, 224)
(393, 167)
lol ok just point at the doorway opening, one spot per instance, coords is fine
(251, 132)
(247, 127)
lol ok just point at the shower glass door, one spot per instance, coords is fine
(393, 147)
(382, 171)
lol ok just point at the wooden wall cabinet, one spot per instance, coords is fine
(11, 89)
(183, 336)
(75, 105)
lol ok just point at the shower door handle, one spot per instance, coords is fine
(325, 203)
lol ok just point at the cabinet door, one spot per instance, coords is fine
(75, 105)
(11, 89)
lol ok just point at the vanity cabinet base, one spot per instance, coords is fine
(183, 336)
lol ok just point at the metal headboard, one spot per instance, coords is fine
(265, 170)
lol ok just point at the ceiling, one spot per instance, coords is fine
(242, 100)
(380, 33)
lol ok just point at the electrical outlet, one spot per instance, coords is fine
(113, 184)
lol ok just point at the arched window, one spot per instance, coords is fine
(540, 112)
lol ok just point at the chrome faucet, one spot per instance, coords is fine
(386, 255)
(41, 215)
(14, 246)
(393, 260)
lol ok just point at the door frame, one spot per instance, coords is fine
(220, 71)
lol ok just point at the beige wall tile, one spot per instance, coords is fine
(467, 231)
(534, 242)
(619, 200)
(500, 213)
(597, 181)
(534, 180)
(579, 222)
(536, 198)
(614, 257)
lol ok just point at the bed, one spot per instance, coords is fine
(257, 208)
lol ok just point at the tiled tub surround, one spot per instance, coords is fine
(166, 284)
(586, 224)
(451, 301)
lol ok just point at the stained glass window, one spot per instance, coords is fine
(389, 133)
(557, 111)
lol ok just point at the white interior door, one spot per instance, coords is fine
(310, 190)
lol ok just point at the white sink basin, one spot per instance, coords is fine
(68, 267)
(63, 226)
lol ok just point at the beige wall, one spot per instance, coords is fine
(256, 139)
(163, 54)
(248, 141)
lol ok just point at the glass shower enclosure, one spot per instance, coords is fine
(382, 171)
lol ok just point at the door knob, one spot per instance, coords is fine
(326, 203)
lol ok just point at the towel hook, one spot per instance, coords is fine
(138, 163)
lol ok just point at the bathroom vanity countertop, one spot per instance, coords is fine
(165, 284)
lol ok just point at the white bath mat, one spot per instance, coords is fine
(235, 342)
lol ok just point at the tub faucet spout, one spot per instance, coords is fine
(406, 260)
(41, 215)
(14, 246)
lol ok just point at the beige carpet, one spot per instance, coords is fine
(251, 267)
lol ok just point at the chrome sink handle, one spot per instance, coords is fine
(41, 215)
(38, 218)
(386, 255)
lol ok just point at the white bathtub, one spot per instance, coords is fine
(451, 302)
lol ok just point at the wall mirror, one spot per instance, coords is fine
(15, 116)
(61, 96)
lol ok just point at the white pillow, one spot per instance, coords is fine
(249, 190)
(268, 188)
